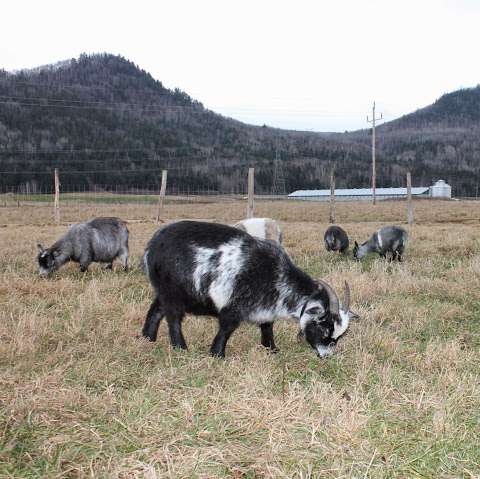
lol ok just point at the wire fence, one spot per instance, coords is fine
(34, 203)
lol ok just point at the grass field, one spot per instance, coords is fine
(81, 395)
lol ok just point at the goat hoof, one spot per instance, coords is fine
(146, 336)
(218, 355)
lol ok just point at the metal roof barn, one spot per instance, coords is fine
(358, 193)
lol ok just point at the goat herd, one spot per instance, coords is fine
(236, 274)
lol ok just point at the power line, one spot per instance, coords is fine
(79, 172)
(102, 103)
(167, 92)
(193, 109)
(112, 108)
(52, 85)
(88, 151)
(193, 169)
(77, 158)
(233, 111)
(23, 100)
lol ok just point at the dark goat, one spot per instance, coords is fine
(99, 240)
(217, 270)
(336, 239)
(389, 239)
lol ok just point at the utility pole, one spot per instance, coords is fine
(374, 171)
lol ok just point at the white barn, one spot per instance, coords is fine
(439, 190)
(358, 194)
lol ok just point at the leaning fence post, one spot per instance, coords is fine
(332, 196)
(161, 197)
(56, 203)
(409, 199)
(251, 192)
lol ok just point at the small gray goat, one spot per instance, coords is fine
(336, 239)
(99, 240)
(389, 239)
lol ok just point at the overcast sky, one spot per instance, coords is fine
(311, 65)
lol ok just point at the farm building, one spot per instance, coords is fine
(439, 190)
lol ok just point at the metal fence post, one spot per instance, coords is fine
(409, 199)
(161, 197)
(251, 192)
(56, 203)
(332, 196)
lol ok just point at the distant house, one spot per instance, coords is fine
(439, 190)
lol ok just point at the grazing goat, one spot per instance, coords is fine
(217, 270)
(263, 228)
(99, 240)
(389, 239)
(336, 239)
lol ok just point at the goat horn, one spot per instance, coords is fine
(346, 299)
(332, 298)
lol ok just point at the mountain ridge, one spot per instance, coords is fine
(102, 103)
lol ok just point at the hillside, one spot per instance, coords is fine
(104, 121)
(457, 109)
(439, 141)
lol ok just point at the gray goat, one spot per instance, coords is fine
(389, 239)
(99, 240)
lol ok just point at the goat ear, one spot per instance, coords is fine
(40, 247)
(356, 244)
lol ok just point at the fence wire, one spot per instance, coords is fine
(187, 196)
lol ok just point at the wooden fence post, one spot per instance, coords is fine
(251, 192)
(409, 199)
(56, 203)
(161, 197)
(332, 196)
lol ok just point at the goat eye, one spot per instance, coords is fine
(321, 321)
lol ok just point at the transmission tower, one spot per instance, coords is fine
(278, 186)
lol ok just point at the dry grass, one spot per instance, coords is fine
(82, 396)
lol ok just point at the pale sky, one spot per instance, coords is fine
(309, 65)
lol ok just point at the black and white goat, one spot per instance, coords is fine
(336, 239)
(217, 270)
(99, 240)
(389, 239)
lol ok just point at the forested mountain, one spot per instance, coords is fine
(439, 141)
(103, 121)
